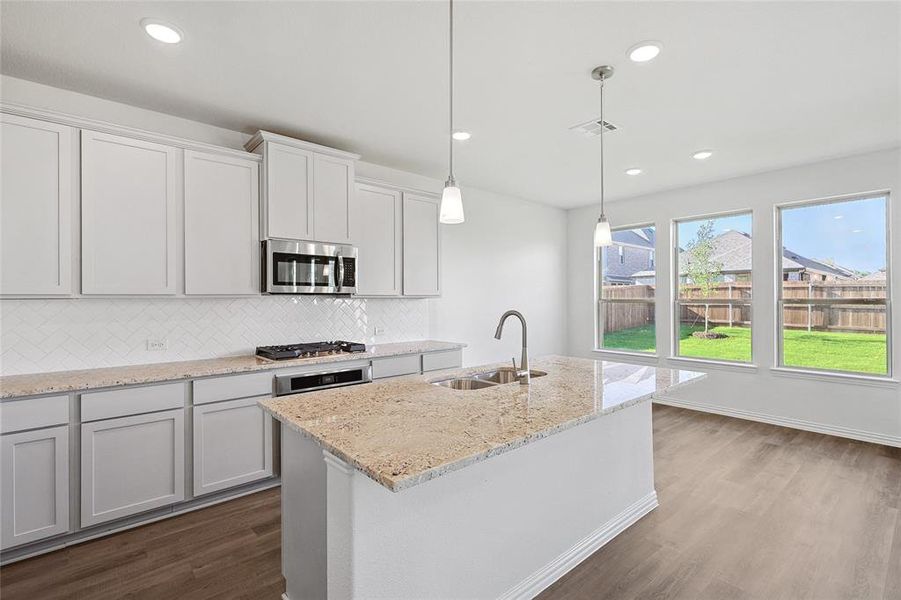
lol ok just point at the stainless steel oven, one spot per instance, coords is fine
(295, 267)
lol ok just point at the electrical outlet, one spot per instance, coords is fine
(157, 345)
(378, 330)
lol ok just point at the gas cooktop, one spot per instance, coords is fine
(309, 349)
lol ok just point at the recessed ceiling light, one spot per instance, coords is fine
(702, 154)
(856, 230)
(644, 51)
(839, 217)
(633, 171)
(162, 32)
(461, 136)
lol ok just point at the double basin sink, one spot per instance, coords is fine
(477, 381)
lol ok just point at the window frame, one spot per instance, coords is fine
(779, 302)
(599, 300)
(676, 303)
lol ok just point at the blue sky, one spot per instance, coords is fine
(850, 233)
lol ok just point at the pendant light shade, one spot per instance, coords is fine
(451, 204)
(451, 212)
(602, 235)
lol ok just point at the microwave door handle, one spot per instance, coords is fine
(340, 276)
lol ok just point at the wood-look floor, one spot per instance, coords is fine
(747, 511)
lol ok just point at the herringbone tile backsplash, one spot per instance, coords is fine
(54, 335)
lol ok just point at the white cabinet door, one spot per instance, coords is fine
(422, 253)
(131, 464)
(222, 243)
(379, 241)
(128, 215)
(34, 492)
(36, 204)
(232, 444)
(333, 199)
(288, 192)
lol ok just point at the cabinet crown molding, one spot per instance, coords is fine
(267, 136)
(114, 129)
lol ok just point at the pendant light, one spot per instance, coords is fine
(451, 199)
(602, 235)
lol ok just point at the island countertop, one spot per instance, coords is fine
(405, 431)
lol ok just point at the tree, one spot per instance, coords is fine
(699, 266)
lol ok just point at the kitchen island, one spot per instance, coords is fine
(406, 489)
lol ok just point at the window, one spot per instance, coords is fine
(834, 294)
(625, 318)
(713, 288)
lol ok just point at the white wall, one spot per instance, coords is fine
(509, 254)
(866, 411)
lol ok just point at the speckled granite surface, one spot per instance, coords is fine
(402, 432)
(66, 381)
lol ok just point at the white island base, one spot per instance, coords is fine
(506, 526)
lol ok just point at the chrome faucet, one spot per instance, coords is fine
(523, 372)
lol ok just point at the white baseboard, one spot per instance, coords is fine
(557, 568)
(836, 430)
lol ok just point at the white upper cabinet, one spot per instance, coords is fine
(380, 241)
(222, 244)
(421, 245)
(333, 199)
(308, 190)
(129, 195)
(36, 206)
(288, 192)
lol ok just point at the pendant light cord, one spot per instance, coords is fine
(603, 131)
(450, 134)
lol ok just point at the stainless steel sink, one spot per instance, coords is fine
(464, 383)
(479, 381)
(505, 375)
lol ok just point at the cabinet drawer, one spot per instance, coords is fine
(395, 365)
(31, 413)
(434, 361)
(131, 401)
(230, 388)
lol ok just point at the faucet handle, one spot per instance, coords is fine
(513, 359)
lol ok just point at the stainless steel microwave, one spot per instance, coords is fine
(295, 267)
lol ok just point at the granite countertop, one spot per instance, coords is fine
(405, 431)
(32, 384)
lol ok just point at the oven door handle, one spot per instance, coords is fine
(340, 276)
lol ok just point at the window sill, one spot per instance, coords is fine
(644, 357)
(712, 364)
(848, 378)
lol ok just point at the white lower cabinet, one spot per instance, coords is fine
(34, 497)
(131, 464)
(232, 444)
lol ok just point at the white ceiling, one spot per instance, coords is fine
(766, 84)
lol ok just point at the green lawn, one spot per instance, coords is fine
(861, 352)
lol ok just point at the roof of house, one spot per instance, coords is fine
(732, 249)
(643, 238)
(874, 276)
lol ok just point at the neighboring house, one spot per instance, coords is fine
(874, 277)
(732, 249)
(632, 251)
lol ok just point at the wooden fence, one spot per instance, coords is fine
(813, 316)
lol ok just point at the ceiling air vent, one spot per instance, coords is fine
(594, 127)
